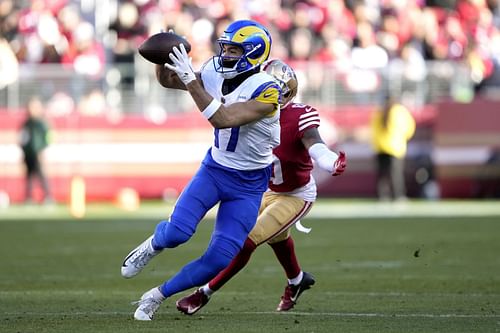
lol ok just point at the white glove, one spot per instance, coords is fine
(181, 64)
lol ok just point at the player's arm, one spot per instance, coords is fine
(319, 152)
(222, 116)
(242, 113)
(264, 104)
(169, 79)
(219, 115)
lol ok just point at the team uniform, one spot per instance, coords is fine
(292, 189)
(234, 173)
(247, 147)
(236, 170)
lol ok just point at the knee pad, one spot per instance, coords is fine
(167, 235)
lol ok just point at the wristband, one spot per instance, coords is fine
(211, 108)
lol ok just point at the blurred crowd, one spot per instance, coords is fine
(347, 33)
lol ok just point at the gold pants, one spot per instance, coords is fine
(277, 214)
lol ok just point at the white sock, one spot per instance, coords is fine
(151, 248)
(296, 280)
(158, 295)
(207, 291)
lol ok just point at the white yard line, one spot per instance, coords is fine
(133, 294)
(271, 313)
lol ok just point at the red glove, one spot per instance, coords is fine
(340, 164)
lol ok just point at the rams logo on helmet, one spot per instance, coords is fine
(255, 42)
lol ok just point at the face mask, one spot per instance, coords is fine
(227, 67)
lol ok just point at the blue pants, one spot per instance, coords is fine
(239, 194)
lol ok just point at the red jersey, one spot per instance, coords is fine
(292, 165)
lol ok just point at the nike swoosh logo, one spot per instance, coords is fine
(125, 260)
(294, 298)
(191, 309)
(268, 95)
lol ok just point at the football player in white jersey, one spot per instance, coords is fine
(242, 104)
(292, 191)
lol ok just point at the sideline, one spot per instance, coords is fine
(323, 209)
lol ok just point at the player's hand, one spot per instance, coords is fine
(340, 164)
(181, 64)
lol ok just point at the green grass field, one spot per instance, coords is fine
(412, 273)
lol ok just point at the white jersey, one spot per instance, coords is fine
(250, 146)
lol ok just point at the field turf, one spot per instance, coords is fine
(383, 274)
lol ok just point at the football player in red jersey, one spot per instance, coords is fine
(292, 192)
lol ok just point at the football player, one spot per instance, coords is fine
(241, 102)
(292, 191)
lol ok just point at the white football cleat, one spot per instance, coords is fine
(148, 304)
(138, 258)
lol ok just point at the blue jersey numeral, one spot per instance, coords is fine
(233, 139)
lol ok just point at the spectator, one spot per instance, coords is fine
(374, 33)
(9, 68)
(413, 72)
(86, 57)
(392, 127)
(9, 17)
(368, 60)
(34, 139)
(129, 32)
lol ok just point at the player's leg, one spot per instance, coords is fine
(238, 192)
(233, 227)
(298, 280)
(275, 216)
(196, 199)
(277, 213)
(242, 258)
(193, 302)
(284, 249)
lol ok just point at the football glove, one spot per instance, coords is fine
(340, 164)
(181, 64)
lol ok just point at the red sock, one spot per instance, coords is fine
(234, 266)
(285, 252)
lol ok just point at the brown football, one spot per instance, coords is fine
(157, 47)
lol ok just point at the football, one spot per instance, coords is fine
(157, 47)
